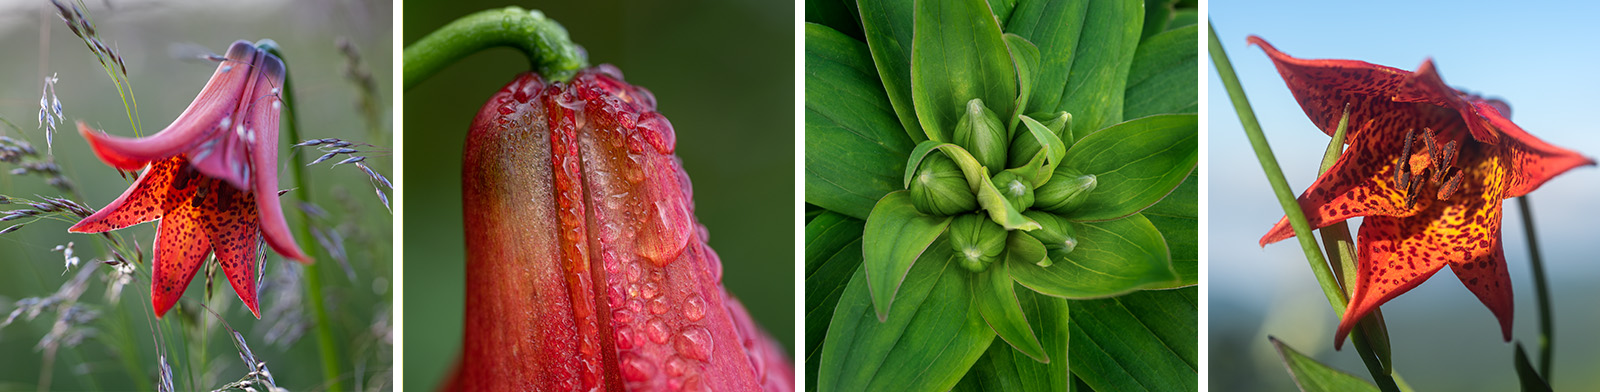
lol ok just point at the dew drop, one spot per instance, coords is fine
(694, 308)
(694, 342)
(633, 291)
(633, 271)
(677, 366)
(651, 290)
(626, 337)
(635, 305)
(695, 384)
(614, 295)
(658, 305)
(636, 368)
(657, 330)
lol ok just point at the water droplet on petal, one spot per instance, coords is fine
(636, 368)
(651, 290)
(657, 330)
(626, 337)
(694, 342)
(694, 308)
(658, 305)
(677, 366)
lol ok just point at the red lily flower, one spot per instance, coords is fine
(1427, 166)
(212, 180)
(586, 267)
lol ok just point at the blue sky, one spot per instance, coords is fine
(1538, 56)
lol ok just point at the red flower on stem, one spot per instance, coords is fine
(211, 178)
(1427, 166)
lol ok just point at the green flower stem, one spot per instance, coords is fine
(1291, 208)
(1541, 288)
(545, 42)
(326, 346)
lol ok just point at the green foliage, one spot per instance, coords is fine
(1027, 100)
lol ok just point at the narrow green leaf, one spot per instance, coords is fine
(1053, 151)
(1156, 15)
(1099, 75)
(957, 55)
(854, 148)
(978, 178)
(1002, 9)
(926, 344)
(993, 293)
(1313, 376)
(1025, 59)
(1054, 27)
(896, 235)
(1145, 341)
(1184, 17)
(1177, 217)
(887, 25)
(1111, 258)
(1530, 378)
(1137, 163)
(839, 15)
(1004, 369)
(1162, 77)
(833, 255)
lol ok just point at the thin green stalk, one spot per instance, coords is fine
(326, 346)
(1291, 208)
(1541, 288)
(545, 42)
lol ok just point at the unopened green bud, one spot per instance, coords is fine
(1055, 232)
(1017, 190)
(940, 188)
(981, 133)
(977, 241)
(1065, 191)
(1024, 145)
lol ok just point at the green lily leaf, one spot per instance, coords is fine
(1177, 217)
(1099, 75)
(1045, 160)
(1313, 376)
(926, 344)
(1053, 26)
(992, 291)
(1161, 79)
(1004, 369)
(989, 197)
(1002, 9)
(1184, 17)
(896, 235)
(839, 15)
(854, 148)
(1530, 379)
(1137, 163)
(887, 25)
(957, 55)
(1110, 258)
(1025, 57)
(833, 255)
(1157, 13)
(1143, 341)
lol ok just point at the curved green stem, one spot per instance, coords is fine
(544, 41)
(326, 346)
(1291, 209)
(1541, 288)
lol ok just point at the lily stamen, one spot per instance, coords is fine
(1449, 187)
(1402, 166)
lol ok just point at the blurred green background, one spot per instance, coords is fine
(158, 41)
(722, 72)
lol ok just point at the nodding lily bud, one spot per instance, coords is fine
(1017, 190)
(941, 189)
(977, 241)
(1024, 146)
(981, 133)
(1065, 191)
(1055, 232)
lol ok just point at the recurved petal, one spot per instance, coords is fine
(209, 112)
(180, 248)
(229, 219)
(141, 202)
(262, 122)
(1324, 87)
(1485, 275)
(1427, 79)
(1531, 160)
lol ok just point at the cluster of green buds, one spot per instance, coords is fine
(1026, 191)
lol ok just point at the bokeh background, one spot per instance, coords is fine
(721, 70)
(1539, 56)
(159, 42)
